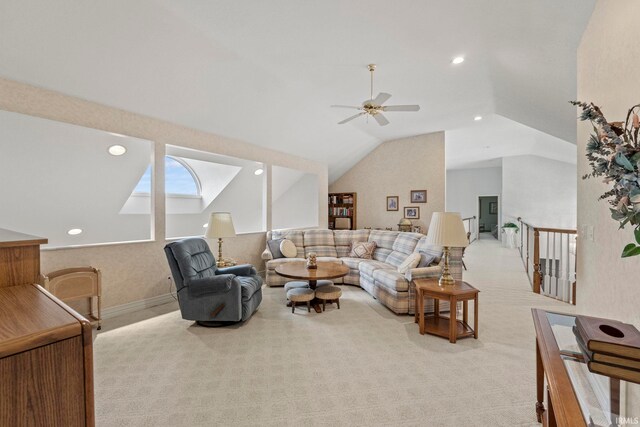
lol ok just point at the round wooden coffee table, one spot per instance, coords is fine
(325, 271)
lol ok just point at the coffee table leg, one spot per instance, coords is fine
(315, 302)
(465, 311)
(453, 321)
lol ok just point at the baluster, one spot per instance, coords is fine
(536, 261)
(555, 268)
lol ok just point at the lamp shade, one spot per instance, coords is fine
(447, 229)
(220, 225)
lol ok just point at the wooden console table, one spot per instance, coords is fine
(574, 396)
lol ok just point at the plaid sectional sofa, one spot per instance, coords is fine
(378, 276)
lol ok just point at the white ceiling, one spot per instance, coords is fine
(266, 72)
(485, 143)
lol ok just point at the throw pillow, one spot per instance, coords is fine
(274, 248)
(410, 262)
(288, 248)
(426, 260)
(362, 250)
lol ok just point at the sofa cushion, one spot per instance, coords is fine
(383, 239)
(335, 260)
(429, 249)
(391, 279)
(367, 266)
(274, 248)
(352, 263)
(409, 263)
(425, 260)
(320, 242)
(296, 236)
(288, 248)
(362, 250)
(344, 238)
(406, 242)
(381, 254)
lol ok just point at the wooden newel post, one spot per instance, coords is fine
(536, 261)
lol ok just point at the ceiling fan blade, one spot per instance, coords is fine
(346, 106)
(351, 118)
(401, 108)
(382, 120)
(381, 98)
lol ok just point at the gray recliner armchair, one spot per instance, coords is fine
(209, 295)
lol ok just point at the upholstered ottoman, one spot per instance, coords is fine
(296, 295)
(329, 293)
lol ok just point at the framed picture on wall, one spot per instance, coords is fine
(412, 212)
(493, 207)
(418, 196)
(392, 203)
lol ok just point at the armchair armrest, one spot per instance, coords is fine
(424, 272)
(210, 285)
(267, 255)
(238, 270)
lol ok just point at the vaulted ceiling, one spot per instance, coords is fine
(267, 71)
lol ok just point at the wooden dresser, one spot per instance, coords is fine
(46, 353)
(19, 258)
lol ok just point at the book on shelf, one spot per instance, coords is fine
(608, 336)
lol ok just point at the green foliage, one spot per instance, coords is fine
(510, 225)
(613, 152)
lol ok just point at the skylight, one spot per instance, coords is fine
(179, 179)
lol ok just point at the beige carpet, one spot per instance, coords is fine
(360, 365)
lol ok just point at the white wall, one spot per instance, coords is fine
(297, 205)
(137, 271)
(541, 191)
(608, 63)
(464, 186)
(64, 178)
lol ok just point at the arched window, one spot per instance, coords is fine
(179, 179)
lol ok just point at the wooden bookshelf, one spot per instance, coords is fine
(343, 205)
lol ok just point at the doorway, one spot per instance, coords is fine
(488, 216)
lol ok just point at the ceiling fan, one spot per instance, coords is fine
(373, 106)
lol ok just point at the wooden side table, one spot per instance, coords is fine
(446, 327)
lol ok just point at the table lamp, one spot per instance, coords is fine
(447, 230)
(220, 226)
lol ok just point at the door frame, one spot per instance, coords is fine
(497, 196)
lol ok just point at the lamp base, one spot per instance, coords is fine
(446, 279)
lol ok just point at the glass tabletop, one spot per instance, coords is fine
(604, 401)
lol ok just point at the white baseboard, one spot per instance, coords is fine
(134, 306)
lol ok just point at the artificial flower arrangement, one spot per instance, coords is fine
(613, 152)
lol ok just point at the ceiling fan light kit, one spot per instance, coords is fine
(373, 106)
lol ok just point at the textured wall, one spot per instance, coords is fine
(135, 271)
(608, 63)
(395, 168)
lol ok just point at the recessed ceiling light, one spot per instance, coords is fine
(74, 231)
(117, 150)
(477, 118)
(205, 225)
(259, 171)
(457, 60)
